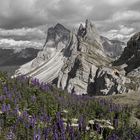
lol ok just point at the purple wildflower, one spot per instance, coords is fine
(33, 98)
(3, 108)
(37, 135)
(10, 136)
(71, 133)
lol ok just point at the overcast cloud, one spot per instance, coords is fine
(108, 15)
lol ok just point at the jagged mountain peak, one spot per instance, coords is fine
(88, 26)
(60, 27)
(131, 54)
(69, 60)
(112, 48)
(88, 33)
(58, 33)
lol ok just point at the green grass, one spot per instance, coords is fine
(30, 99)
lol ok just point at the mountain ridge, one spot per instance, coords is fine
(70, 59)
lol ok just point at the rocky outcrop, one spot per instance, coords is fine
(112, 48)
(130, 61)
(73, 61)
(57, 39)
(68, 59)
(86, 55)
(108, 81)
(49, 61)
(131, 55)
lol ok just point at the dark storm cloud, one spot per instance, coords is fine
(19, 13)
(107, 14)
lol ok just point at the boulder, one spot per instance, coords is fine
(108, 81)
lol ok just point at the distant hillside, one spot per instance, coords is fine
(10, 60)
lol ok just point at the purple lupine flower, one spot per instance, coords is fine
(46, 132)
(15, 101)
(37, 82)
(4, 97)
(48, 119)
(3, 108)
(115, 122)
(81, 123)
(58, 115)
(1, 98)
(71, 133)
(42, 85)
(33, 99)
(37, 136)
(113, 137)
(34, 81)
(8, 107)
(45, 117)
(25, 114)
(110, 109)
(26, 125)
(10, 136)
(46, 87)
(16, 110)
(97, 128)
(63, 137)
(62, 128)
(60, 124)
(55, 135)
(5, 89)
(32, 121)
(9, 96)
(137, 137)
(41, 118)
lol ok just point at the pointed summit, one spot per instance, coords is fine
(90, 26)
(69, 60)
(59, 26)
(81, 31)
(89, 34)
(59, 32)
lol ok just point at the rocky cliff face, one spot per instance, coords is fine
(86, 55)
(131, 54)
(49, 61)
(109, 81)
(112, 48)
(73, 61)
(130, 61)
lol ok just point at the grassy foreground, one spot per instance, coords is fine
(30, 110)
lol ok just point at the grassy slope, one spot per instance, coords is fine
(131, 99)
(31, 99)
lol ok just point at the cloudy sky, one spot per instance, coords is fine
(22, 20)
